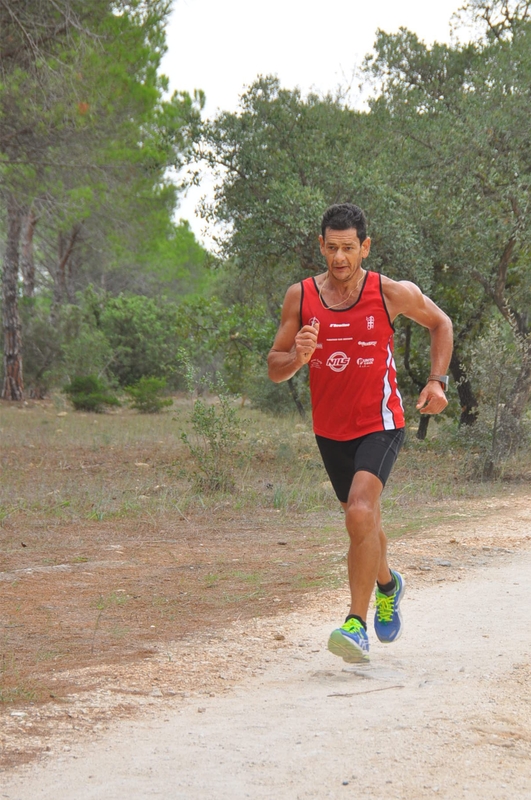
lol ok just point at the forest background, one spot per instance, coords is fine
(106, 295)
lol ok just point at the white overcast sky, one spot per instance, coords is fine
(221, 46)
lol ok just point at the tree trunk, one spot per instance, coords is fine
(27, 261)
(467, 398)
(296, 399)
(424, 419)
(422, 429)
(72, 269)
(13, 387)
(61, 276)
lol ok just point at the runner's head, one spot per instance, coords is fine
(342, 217)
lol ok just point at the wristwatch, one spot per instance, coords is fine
(443, 380)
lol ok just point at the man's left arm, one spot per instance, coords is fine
(406, 298)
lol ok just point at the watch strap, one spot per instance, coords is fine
(442, 379)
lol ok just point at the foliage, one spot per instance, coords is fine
(214, 444)
(57, 349)
(278, 398)
(87, 133)
(468, 105)
(142, 335)
(495, 365)
(146, 395)
(89, 393)
(43, 344)
(273, 182)
(231, 338)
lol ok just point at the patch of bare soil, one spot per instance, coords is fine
(114, 622)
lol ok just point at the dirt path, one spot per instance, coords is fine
(445, 711)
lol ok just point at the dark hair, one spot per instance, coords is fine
(342, 216)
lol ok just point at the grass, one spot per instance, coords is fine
(17, 694)
(124, 465)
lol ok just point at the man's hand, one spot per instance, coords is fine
(432, 399)
(306, 342)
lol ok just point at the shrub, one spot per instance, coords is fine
(146, 395)
(217, 432)
(89, 393)
(214, 448)
(141, 333)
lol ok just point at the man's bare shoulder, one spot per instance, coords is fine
(400, 296)
(294, 291)
(398, 288)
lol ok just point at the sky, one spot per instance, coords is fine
(221, 46)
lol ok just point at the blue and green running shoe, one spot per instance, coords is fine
(387, 619)
(350, 642)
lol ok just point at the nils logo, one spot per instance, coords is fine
(338, 361)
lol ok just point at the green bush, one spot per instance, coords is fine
(142, 335)
(214, 444)
(42, 352)
(89, 393)
(146, 395)
(279, 398)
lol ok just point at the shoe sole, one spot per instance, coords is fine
(346, 649)
(401, 628)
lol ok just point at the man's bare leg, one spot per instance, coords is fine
(367, 555)
(367, 563)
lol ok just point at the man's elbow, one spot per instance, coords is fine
(449, 326)
(444, 325)
(272, 370)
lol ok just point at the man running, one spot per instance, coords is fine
(341, 324)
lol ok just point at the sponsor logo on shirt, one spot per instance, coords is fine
(365, 362)
(315, 363)
(338, 361)
(370, 323)
(340, 324)
(367, 344)
(313, 321)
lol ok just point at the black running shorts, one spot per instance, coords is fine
(375, 452)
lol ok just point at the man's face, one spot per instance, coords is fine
(343, 253)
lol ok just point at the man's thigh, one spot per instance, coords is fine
(375, 453)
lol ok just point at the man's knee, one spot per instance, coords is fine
(361, 516)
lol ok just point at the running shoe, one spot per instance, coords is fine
(387, 619)
(350, 641)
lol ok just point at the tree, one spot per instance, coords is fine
(13, 386)
(85, 137)
(459, 117)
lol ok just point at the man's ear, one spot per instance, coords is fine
(366, 247)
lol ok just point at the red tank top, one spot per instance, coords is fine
(352, 371)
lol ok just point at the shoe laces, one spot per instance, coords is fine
(353, 626)
(385, 606)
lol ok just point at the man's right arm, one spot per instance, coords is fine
(293, 346)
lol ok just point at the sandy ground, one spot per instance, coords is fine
(270, 713)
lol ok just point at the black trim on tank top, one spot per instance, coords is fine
(348, 308)
(302, 298)
(383, 301)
